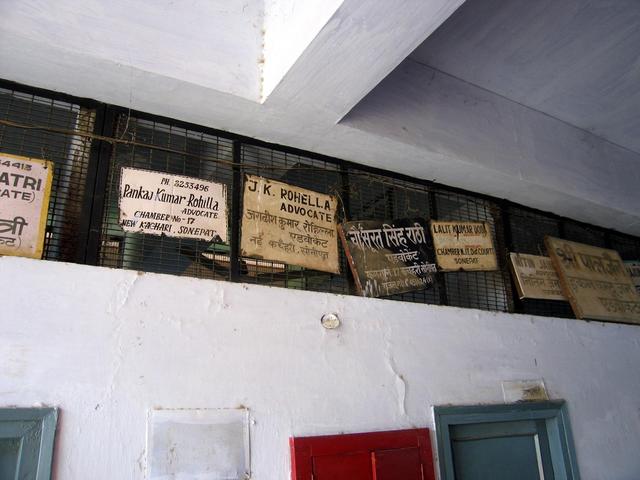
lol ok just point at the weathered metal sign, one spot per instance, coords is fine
(159, 203)
(389, 257)
(535, 277)
(595, 281)
(289, 224)
(25, 187)
(463, 246)
(634, 271)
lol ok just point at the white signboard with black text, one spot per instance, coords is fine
(159, 203)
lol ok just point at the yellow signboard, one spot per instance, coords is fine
(535, 277)
(25, 187)
(289, 224)
(463, 246)
(595, 281)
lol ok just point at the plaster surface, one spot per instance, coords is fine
(106, 346)
(577, 60)
(213, 43)
(289, 28)
(538, 160)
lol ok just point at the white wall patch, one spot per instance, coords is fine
(208, 444)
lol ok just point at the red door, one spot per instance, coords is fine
(394, 455)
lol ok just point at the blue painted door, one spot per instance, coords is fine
(26, 443)
(501, 451)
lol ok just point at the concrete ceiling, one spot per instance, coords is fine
(333, 77)
(576, 60)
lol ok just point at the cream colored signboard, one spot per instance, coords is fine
(463, 246)
(159, 203)
(289, 224)
(535, 277)
(634, 271)
(25, 187)
(595, 281)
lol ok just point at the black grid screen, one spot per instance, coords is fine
(484, 290)
(47, 129)
(301, 171)
(379, 197)
(528, 229)
(83, 221)
(165, 148)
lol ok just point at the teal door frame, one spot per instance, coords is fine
(34, 429)
(553, 413)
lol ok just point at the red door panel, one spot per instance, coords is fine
(343, 467)
(398, 464)
(394, 455)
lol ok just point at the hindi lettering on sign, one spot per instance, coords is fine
(535, 277)
(463, 246)
(389, 257)
(633, 267)
(159, 203)
(289, 224)
(595, 281)
(25, 188)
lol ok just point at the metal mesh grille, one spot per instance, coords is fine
(170, 149)
(305, 172)
(483, 290)
(69, 152)
(578, 232)
(528, 230)
(379, 197)
(45, 128)
(628, 247)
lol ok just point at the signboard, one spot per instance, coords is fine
(595, 281)
(25, 187)
(159, 203)
(389, 257)
(535, 277)
(463, 246)
(634, 271)
(289, 224)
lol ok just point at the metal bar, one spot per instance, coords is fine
(513, 300)
(101, 158)
(90, 185)
(236, 214)
(440, 281)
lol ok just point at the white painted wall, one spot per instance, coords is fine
(107, 345)
(213, 43)
(289, 28)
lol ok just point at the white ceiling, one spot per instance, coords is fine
(292, 71)
(576, 60)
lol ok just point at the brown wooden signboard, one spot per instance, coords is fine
(535, 277)
(25, 187)
(389, 257)
(463, 246)
(289, 224)
(595, 281)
